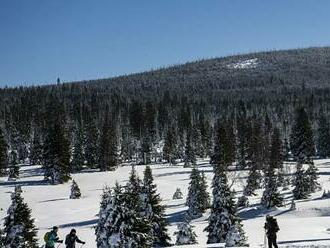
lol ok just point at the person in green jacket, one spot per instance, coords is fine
(51, 238)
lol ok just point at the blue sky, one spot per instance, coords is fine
(41, 40)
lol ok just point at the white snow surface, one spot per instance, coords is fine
(307, 226)
(244, 64)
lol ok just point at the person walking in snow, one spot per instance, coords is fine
(271, 228)
(51, 238)
(72, 238)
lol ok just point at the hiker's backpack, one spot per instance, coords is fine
(46, 236)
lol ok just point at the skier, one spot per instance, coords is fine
(271, 228)
(71, 239)
(51, 238)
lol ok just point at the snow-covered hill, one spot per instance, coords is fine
(307, 226)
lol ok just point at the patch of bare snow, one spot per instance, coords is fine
(244, 64)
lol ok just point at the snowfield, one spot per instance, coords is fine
(244, 64)
(307, 226)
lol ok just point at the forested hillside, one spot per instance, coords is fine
(148, 116)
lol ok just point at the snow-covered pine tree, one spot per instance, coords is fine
(92, 143)
(56, 152)
(3, 155)
(312, 178)
(101, 228)
(170, 146)
(19, 230)
(108, 146)
(185, 234)
(300, 190)
(243, 134)
(302, 146)
(36, 149)
(223, 215)
(2, 238)
(13, 173)
(75, 191)
(243, 201)
(78, 155)
(177, 194)
(154, 211)
(234, 237)
(293, 205)
(189, 152)
(198, 198)
(146, 150)
(271, 197)
(122, 225)
(256, 159)
(323, 137)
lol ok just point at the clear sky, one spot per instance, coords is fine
(41, 40)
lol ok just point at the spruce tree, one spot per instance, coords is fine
(13, 173)
(154, 211)
(36, 149)
(108, 146)
(271, 197)
(323, 137)
(223, 217)
(189, 152)
(302, 145)
(101, 227)
(20, 230)
(3, 154)
(146, 147)
(78, 155)
(122, 226)
(256, 159)
(56, 152)
(177, 194)
(198, 198)
(92, 144)
(75, 191)
(185, 234)
(170, 146)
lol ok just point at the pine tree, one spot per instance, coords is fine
(177, 194)
(271, 197)
(323, 137)
(56, 152)
(20, 230)
(302, 146)
(256, 160)
(36, 150)
(92, 144)
(170, 147)
(300, 190)
(13, 173)
(3, 154)
(146, 150)
(189, 153)
(121, 225)
(223, 215)
(101, 228)
(78, 155)
(108, 147)
(75, 191)
(185, 234)
(198, 198)
(154, 211)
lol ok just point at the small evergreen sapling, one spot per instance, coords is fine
(177, 194)
(13, 173)
(75, 191)
(185, 234)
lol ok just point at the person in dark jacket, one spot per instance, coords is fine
(72, 238)
(51, 238)
(271, 228)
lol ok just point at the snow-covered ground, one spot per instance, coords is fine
(244, 64)
(307, 226)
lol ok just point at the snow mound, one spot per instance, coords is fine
(244, 64)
